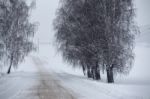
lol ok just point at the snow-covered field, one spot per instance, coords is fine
(22, 82)
(136, 85)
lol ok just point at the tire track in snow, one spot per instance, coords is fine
(48, 87)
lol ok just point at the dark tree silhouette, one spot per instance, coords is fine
(17, 31)
(97, 34)
(119, 34)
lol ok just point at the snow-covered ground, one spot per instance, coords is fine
(134, 86)
(22, 81)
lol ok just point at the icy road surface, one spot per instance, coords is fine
(32, 85)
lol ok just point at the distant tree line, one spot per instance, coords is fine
(16, 32)
(97, 35)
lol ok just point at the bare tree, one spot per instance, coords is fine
(97, 34)
(3, 9)
(119, 34)
(17, 31)
(77, 36)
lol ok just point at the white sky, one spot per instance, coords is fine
(143, 12)
(44, 14)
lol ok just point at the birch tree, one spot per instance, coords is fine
(97, 34)
(17, 31)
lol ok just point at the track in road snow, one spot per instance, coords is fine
(42, 83)
(37, 85)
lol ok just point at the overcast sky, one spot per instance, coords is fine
(143, 12)
(44, 13)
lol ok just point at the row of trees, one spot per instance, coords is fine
(16, 32)
(97, 35)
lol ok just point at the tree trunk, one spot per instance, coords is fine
(110, 76)
(93, 72)
(83, 68)
(97, 73)
(9, 69)
(89, 73)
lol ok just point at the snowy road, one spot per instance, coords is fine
(32, 85)
(47, 82)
